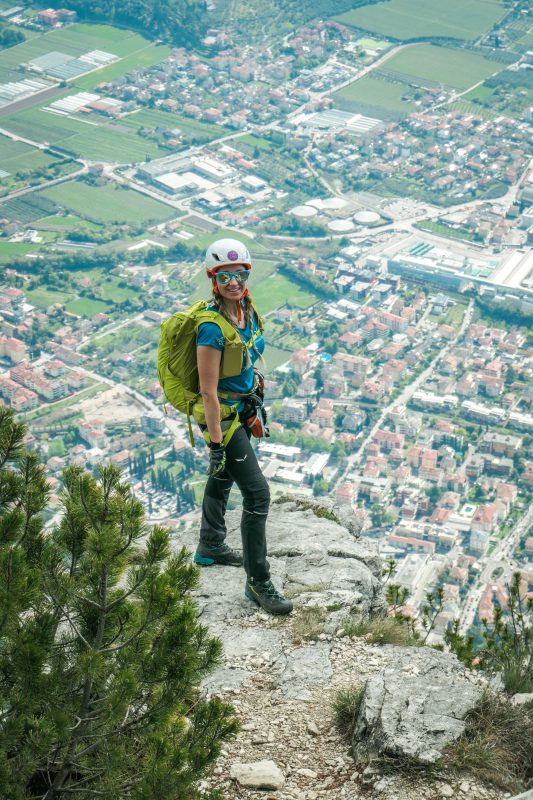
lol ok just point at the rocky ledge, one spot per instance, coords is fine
(282, 684)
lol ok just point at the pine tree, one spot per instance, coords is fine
(26, 625)
(101, 653)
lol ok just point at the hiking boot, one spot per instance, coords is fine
(208, 554)
(265, 595)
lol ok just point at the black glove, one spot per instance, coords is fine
(217, 459)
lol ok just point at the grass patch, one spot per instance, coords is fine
(309, 624)
(67, 223)
(346, 706)
(108, 203)
(15, 249)
(497, 744)
(86, 307)
(278, 291)
(44, 297)
(275, 356)
(407, 19)
(381, 631)
(313, 587)
(309, 505)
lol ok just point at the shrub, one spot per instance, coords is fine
(507, 642)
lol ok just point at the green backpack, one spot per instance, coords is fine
(176, 359)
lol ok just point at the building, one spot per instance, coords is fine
(13, 349)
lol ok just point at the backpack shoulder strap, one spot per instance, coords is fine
(260, 323)
(228, 331)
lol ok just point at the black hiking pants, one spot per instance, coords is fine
(241, 468)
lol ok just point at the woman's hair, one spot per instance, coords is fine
(248, 310)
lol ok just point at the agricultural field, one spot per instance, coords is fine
(108, 203)
(374, 96)
(27, 164)
(407, 19)
(451, 67)
(28, 208)
(98, 141)
(148, 56)
(152, 118)
(74, 40)
(490, 101)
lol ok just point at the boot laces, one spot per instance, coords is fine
(267, 587)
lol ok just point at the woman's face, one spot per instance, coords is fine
(232, 281)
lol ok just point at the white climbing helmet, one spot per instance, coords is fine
(224, 253)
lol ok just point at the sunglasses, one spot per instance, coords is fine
(223, 278)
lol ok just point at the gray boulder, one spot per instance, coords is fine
(414, 708)
(321, 556)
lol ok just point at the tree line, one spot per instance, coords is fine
(180, 22)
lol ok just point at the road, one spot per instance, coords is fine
(500, 557)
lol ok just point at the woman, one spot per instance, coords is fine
(231, 458)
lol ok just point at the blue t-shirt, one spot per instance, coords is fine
(210, 335)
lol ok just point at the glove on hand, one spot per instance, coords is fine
(217, 459)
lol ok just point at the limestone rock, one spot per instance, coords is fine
(522, 699)
(258, 775)
(304, 668)
(415, 707)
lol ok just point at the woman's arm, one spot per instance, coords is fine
(208, 359)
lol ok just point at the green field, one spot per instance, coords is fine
(47, 297)
(151, 118)
(277, 291)
(74, 40)
(25, 163)
(148, 56)
(15, 249)
(97, 139)
(372, 94)
(274, 357)
(406, 19)
(108, 203)
(86, 307)
(373, 44)
(452, 67)
(101, 141)
(67, 223)
(113, 293)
